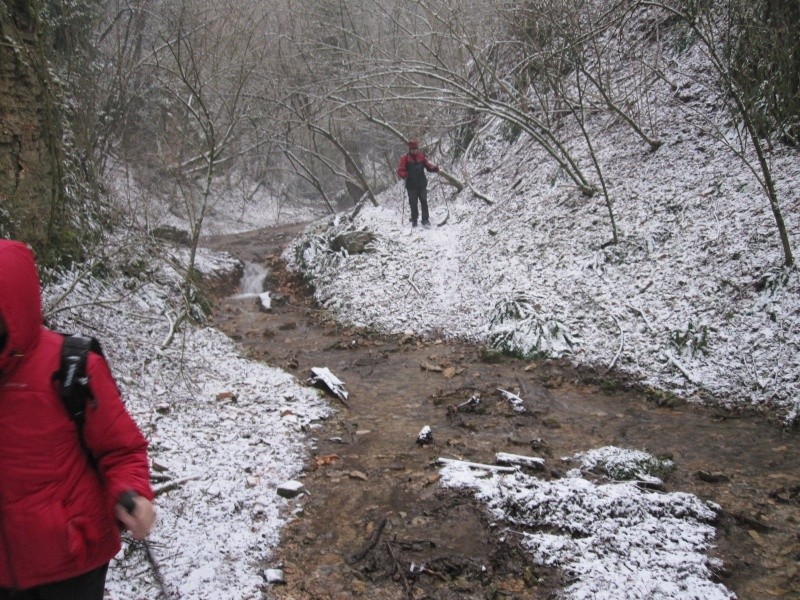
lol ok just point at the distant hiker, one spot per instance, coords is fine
(412, 168)
(66, 486)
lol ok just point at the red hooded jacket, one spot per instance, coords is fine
(56, 510)
(413, 158)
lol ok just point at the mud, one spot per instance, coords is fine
(374, 506)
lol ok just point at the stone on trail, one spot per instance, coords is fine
(324, 376)
(290, 489)
(264, 302)
(274, 576)
(425, 436)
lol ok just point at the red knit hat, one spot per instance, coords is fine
(413, 145)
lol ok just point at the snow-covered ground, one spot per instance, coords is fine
(224, 431)
(613, 539)
(693, 299)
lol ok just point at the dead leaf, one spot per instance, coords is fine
(757, 537)
(357, 475)
(449, 372)
(327, 459)
(433, 479)
(511, 586)
(226, 396)
(430, 367)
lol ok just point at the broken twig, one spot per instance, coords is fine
(621, 344)
(412, 284)
(689, 377)
(172, 485)
(400, 570)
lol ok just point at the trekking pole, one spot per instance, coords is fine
(126, 500)
(446, 205)
(403, 209)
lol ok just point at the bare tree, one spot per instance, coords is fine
(202, 67)
(713, 25)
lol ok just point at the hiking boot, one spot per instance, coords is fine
(426, 223)
(414, 223)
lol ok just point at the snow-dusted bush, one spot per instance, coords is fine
(519, 326)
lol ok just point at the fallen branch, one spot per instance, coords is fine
(689, 377)
(483, 197)
(472, 465)
(621, 331)
(411, 282)
(451, 180)
(359, 206)
(533, 462)
(621, 344)
(399, 568)
(172, 485)
(444, 221)
(170, 333)
(373, 541)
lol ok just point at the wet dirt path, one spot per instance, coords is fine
(374, 505)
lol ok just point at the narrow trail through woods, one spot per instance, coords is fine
(374, 505)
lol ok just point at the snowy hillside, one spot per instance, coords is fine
(693, 298)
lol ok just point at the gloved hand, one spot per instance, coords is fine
(136, 513)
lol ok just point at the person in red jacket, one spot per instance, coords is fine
(412, 168)
(60, 512)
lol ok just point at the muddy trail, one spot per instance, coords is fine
(374, 505)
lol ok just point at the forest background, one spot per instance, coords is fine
(620, 182)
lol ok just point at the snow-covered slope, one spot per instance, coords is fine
(693, 298)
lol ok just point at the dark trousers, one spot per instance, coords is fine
(420, 194)
(89, 586)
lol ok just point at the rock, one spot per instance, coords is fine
(491, 356)
(280, 299)
(425, 436)
(264, 302)
(290, 489)
(715, 477)
(274, 576)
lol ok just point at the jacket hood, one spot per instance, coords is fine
(20, 302)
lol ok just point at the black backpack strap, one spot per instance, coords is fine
(74, 382)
